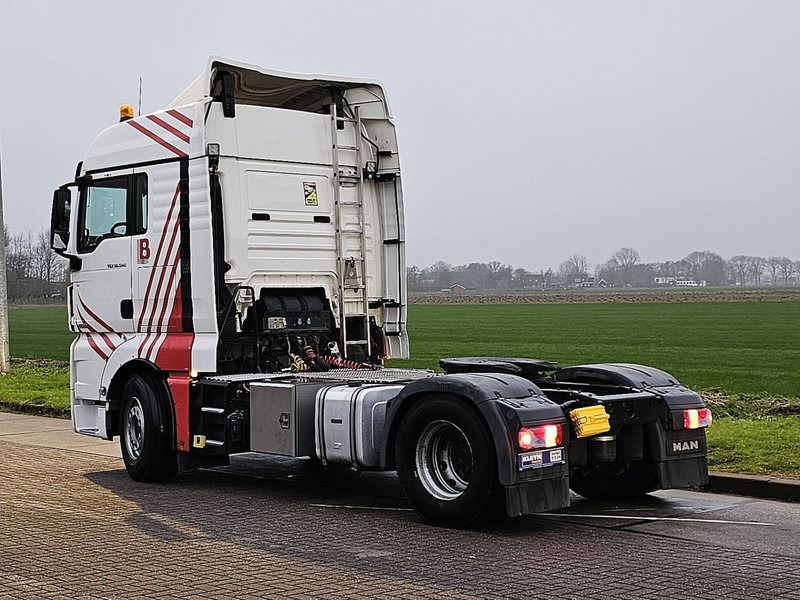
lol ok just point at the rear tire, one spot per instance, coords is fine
(611, 481)
(146, 432)
(446, 463)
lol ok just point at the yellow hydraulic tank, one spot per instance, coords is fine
(589, 420)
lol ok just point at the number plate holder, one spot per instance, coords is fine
(540, 458)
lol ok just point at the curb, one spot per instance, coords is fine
(758, 486)
(33, 409)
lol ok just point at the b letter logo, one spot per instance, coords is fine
(144, 250)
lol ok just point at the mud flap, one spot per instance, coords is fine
(533, 497)
(680, 456)
(688, 472)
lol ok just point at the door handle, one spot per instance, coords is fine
(126, 309)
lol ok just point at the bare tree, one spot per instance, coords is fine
(520, 274)
(621, 264)
(414, 275)
(19, 257)
(774, 265)
(442, 272)
(787, 270)
(740, 267)
(547, 277)
(44, 259)
(574, 265)
(704, 266)
(626, 257)
(494, 266)
(756, 266)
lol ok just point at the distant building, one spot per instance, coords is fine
(689, 283)
(678, 281)
(580, 280)
(602, 283)
(533, 280)
(457, 289)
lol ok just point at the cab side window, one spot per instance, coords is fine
(112, 207)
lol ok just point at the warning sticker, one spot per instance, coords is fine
(310, 193)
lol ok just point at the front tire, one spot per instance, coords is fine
(446, 463)
(145, 432)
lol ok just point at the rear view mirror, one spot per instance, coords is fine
(59, 220)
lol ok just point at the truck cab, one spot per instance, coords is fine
(256, 218)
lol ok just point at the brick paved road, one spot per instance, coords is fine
(73, 525)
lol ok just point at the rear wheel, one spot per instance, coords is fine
(615, 481)
(145, 432)
(446, 463)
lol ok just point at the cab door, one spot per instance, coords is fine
(112, 209)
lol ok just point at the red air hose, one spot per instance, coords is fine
(344, 363)
(311, 357)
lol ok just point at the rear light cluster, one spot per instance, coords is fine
(543, 436)
(696, 418)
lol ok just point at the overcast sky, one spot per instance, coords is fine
(528, 130)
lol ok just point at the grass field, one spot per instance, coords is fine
(743, 355)
(39, 332)
(737, 347)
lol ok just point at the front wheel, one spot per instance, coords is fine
(446, 462)
(145, 432)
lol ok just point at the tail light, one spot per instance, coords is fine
(696, 418)
(543, 436)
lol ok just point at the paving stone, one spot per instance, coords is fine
(73, 525)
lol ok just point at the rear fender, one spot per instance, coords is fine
(679, 455)
(504, 402)
(624, 374)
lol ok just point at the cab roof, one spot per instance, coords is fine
(265, 87)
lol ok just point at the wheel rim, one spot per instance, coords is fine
(444, 460)
(134, 428)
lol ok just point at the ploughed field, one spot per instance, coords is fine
(595, 295)
(741, 355)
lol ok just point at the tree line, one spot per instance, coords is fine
(34, 273)
(623, 269)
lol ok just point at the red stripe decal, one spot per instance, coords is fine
(155, 138)
(182, 118)
(170, 128)
(160, 321)
(95, 347)
(95, 317)
(107, 340)
(155, 260)
(175, 320)
(161, 275)
(179, 388)
(86, 323)
(144, 341)
(158, 287)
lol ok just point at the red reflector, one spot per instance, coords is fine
(543, 436)
(697, 418)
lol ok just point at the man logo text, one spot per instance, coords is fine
(683, 446)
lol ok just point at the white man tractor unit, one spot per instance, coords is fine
(237, 278)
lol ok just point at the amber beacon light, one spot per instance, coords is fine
(125, 112)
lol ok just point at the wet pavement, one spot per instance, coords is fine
(73, 525)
